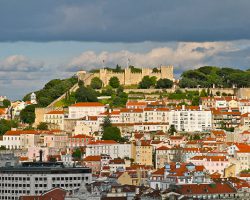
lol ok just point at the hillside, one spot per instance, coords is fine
(52, 90)
(206, 76)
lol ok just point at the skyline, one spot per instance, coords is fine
(50, 39)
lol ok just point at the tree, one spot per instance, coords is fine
(6, 125)
(106, 122)
(86, 94)
(42, 126)
(164, 83)
(96, 83)
(77, 154)
(114, 82)
(27, 115)
(112, 133)
(172, 129)
(147, 82)
(156, 70)
(6, 103)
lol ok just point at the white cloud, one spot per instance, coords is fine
(20, 63)
(183, 56)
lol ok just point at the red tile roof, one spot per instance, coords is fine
(81, 136)
(98, 142)
(87, 104)
(53, 112)
(210, 158)
(213, 188)
(92, 158)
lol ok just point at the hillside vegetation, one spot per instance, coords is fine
(209, 75)
(52, 90)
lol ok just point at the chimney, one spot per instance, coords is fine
(183, 107)
(41, 155)
(200, 106)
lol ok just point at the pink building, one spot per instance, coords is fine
(212, 163)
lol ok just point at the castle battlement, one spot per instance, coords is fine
(127, 77)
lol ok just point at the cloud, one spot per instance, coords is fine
(124, 21)
(20, 63)
(183, 56)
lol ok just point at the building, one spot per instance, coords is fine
(212, 163)
(55, 117)
(176, 173)
(127, 76)
(82, 109)
(190, 118)
(109, 147)
(79, 141)
(143, 152)
(36, 178)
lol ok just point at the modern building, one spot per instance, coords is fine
(34, 178)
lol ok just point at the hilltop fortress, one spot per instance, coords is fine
(127, 76)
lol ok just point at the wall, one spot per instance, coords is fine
(126, 77)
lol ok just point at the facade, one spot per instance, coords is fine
(109, 147)
(212, 163)
(79, 141)
(79, 110)
(143, 152)
(127, 77)
(36, 178)
(55, 117)
(190, 118)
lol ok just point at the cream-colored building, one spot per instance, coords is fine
(55, 117)
(143, 152)
(82, 109)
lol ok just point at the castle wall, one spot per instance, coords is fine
(127, 77)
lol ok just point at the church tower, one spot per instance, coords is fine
(33, 98)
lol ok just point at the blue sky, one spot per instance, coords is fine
(43, 40)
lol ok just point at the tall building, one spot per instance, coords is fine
(34, 178)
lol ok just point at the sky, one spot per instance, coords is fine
(44, 40)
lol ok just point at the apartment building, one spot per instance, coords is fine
(36, 178)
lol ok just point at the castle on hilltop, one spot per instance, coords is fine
(128, 76)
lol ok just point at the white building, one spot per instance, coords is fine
(191, 118)
(37, 178)
(109, 147)
(83, 109)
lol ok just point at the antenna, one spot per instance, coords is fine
(103, 61)
(128, 61)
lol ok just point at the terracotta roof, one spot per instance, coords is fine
(117, 161)
(61, 112)
(159, 172)
(22, 158)
(245, 115)
(136, 103)
(35, 132)
(81, 136)
(55, 194)
(2, 111)
(210, 158)
(126, 110)
(92, 158)
(98, 142)
(163, 148)
(243, 148)
(176, 137)
(87, 104)
(219, 133)
(213, 188)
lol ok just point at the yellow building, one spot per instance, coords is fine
(143, 152)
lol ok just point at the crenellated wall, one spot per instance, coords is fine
(127, 77)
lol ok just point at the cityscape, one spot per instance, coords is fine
(124, 100)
